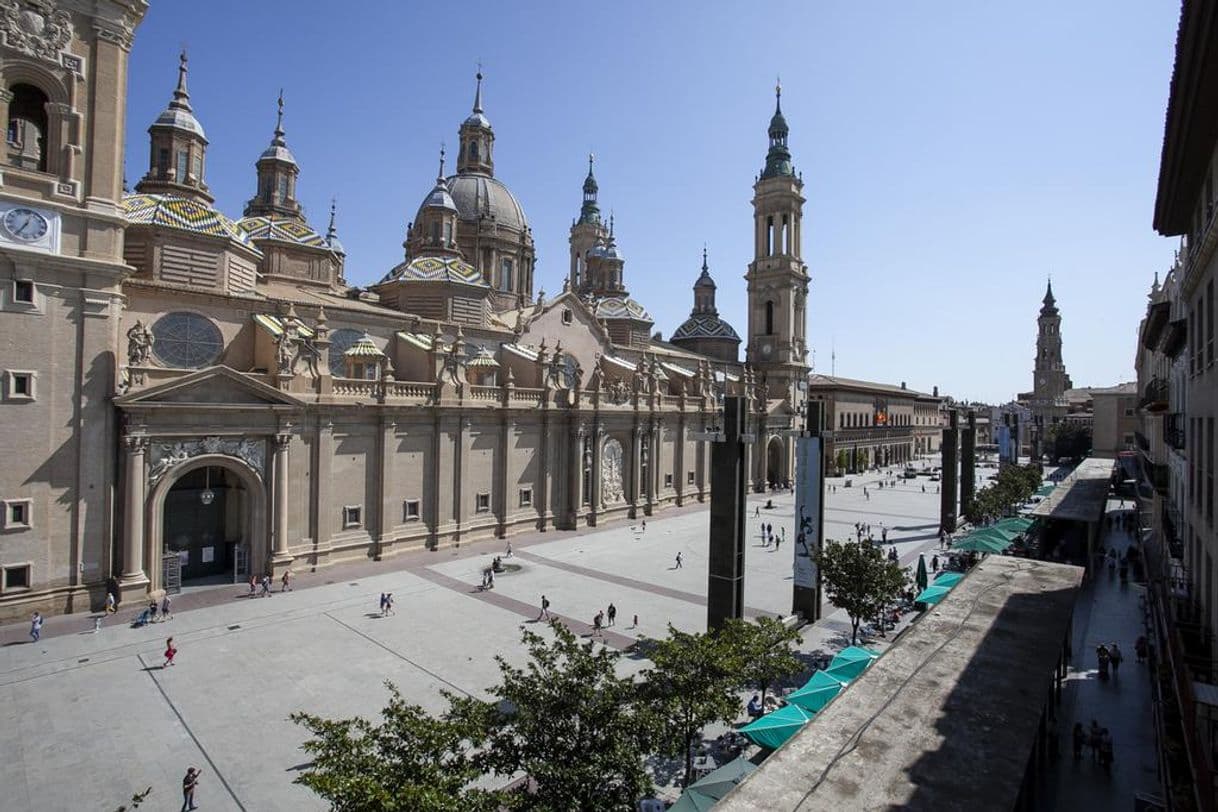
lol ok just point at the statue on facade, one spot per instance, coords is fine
(611, 472)
(598, 374)
(139, 345)
(285, 351)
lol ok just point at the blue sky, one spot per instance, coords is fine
(953, 154)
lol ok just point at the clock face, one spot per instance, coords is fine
(25, 224)
(1042, 380)
(766, 349)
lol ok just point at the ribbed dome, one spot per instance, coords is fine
(438, 198)
(479, 195)
(179, 118)
(705, 326)
(615, 307)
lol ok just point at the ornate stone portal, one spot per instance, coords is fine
(611, 472)
(167, 455)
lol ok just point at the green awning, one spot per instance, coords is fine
(981, 544)
(932, 594)
(773, 729)
(845, 670)
(850, 653)
(703, 793)
(1018, 523)
(816, 692)
(948, 579)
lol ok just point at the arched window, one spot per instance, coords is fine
(435, 232)
(27, 127)
(769, 318)
(769, 236)
(473, 150)
(341, 341)
(184, 340)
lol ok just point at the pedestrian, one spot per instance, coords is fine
(777, 542)
(389, 603)
(508, 554)
(285, 581)
(784, 533)
(923, 489)
(884, 533)
(166, 604)
(382, 605)
(1093, 740)
(170, 651)
(189, 783)
(545, 608)
(36, 627)
(635, 623)
(678, 566)
(934, 563)
(1078, 738)
(644, 525)
(152, 610)
(266, 585)
(757, 512)
(253, 585)
(597, 621)
(1115, 657)
(111, 603)
(612, 613)
(490, 578)
(1101, 654)
(1139, 649)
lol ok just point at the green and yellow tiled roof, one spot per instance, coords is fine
(436, 269)
(180, 213)
(282, 229)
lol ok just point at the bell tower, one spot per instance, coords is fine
(777, 277)
(1049, 376)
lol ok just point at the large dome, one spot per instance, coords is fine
(705, 325)
(480, 195)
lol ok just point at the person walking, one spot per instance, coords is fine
(598, 621)
(644, 526)
(635, 623)
(1101, 654)
(382, 605)
(285, 581)
(166, 605)
(934, 563)
(189, 784)
(612, 614)
(777, 543)
(253, 585)
(545, 608)
(170, 652)
(389, 603)
(1115, 657)
(111, 603)
(152, 610)
(36, 627)
(266, 585)
(784, 533)
(678, 566)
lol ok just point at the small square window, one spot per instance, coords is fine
(16, 577)
(690, 477)
(482, 502)
(410, 510)
(526, 497)
(18, 514)
(668, 480)
(23, 291)
(19, 384)
(351, 516)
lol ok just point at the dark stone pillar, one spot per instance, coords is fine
(729, 479)
(968, 461)
(811, 461)
(947, 485)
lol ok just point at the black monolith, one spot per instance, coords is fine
(725, 584)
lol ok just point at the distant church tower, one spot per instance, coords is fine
(777, 277)
(1050, 380)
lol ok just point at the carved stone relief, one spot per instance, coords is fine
(167, 455)
(611, 472)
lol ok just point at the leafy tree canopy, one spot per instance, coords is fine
(859, 579)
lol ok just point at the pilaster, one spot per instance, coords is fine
(280, 556)
(134, 580)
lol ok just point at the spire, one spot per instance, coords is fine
(277, 140)
(477, 138)
(181, 96)
(705, 270)
(332, 232)
(478, 90)
(590, 213)
(1049, 300)
(440, 176)
(778, 159)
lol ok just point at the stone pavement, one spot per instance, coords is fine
(86, 719)
(1107, 611)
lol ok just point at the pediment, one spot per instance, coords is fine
(218, 385)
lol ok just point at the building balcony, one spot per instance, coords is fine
(868, 434)
(1154, 397)
(1175, 338)
(1157, 317)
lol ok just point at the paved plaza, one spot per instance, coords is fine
(87, 718)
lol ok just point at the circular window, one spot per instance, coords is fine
(341, 341)
(186, 340)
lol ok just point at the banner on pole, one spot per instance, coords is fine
(807, 509)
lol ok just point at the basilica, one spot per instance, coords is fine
(191, 395)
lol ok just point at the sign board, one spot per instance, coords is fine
(807, 509)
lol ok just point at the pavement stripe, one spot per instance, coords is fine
(668, 592)
(397, 654)
(609, 638)
(149, 671)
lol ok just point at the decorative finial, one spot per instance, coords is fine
(704, 267)
(478, 91)
(611, 224)
(591, 158)
(778, 94)
(181, 96)
(278, 139)
(440, 177)
(331, 232)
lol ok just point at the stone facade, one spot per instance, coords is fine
(874, 423)
(209, 398)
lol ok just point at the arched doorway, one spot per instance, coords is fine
(775, 471)
(203, 511)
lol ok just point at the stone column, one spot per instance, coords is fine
(598, 438)
(636, 469)
(679, 464)
(545, 509)
(390, 506)
(510, 494)
(948, 485)
(575, 475)
(968, 461)
(134, 576)
(461, 450)
(281, 556)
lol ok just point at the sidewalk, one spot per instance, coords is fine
(1107, 611)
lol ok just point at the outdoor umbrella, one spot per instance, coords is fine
(995, 531)
(932, 594)
(920, 578)
(949, 579)
(703, 793)
(775, 728)
(1019, 523)
(844, 669)
(816, 692)
(855, 653)
(981, 544)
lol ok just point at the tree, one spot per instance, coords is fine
(1070, 440)
(762, 652)
(690, 686)
(570, 724)
(859, 579)
(411, 761)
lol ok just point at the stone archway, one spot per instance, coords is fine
(775, 468)
(253, 523)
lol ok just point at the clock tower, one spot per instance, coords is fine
(777, 277)
(1050, 380)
